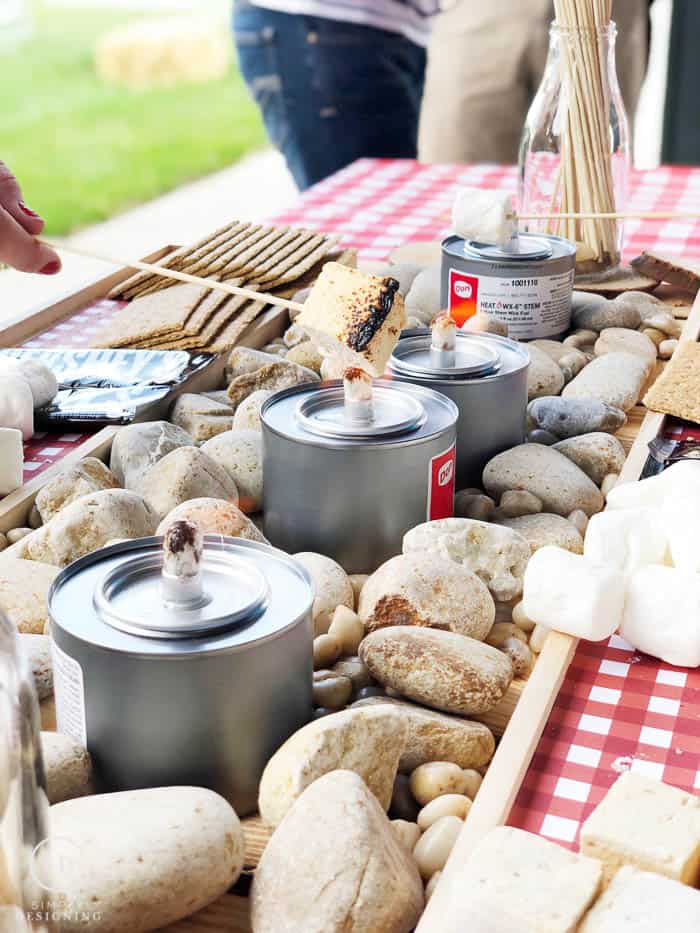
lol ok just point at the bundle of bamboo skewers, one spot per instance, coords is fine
(585, 182)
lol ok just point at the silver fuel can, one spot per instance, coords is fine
(352, 491)
(527, 287)
(486, 378)
(202, 695)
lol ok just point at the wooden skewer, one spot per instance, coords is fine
(179, 276)
(613, 215)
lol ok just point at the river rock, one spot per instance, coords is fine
(88, 475)
(645, 303)
(544, 377)
(553, 348)
(243, 360)
(184, 474)
(351, 873)
(213, 517)
(24, 591)
(201, 416)
(557, 482)
(368, 741)
(306, 354)
(476, 505)
(616, 378)
(427, 589)
(68, 767)
(247, 414)
(272, 376)
(565, 417)
(545, 528)
(621, 339)
(137, 447)
(434, 736)
(423, 297)
(239, 452)
(517, 502)
(495, 555)
(449, 672)
(597, 454)
(332, 587)
(592, 312)
(143, 859)
(88, 524)
(37, 651)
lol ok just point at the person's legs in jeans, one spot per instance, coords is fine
(330, 92)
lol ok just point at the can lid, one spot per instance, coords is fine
(523, 248)
(395, 412)
(474, 355)
(132, 597)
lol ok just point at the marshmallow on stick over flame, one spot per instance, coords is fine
(354, 318)
(484, 216)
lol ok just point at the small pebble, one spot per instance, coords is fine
(327, 650)
(657, 337)
(538, 436)
(395, 694)
(355, 670)
(405, 832)
(571, 417)
(503, 630)
(572, 363)
(367, 692)
(609, 483)
(521, 620)
(473, 505)
(17, 534)
(357, 581)
(665, 322)
(347, 629)
(332, 692)
(481, 323)
(579, 520)
(667, 348)
(581, 338)
(34, 520)
(519, 654)
(473, 779)
(538, 638)
(435, 778)
(433, 848)
(3, 541)
(517, 502)
(431, 885)
(403, 805)
(320, 712)
(447, 805)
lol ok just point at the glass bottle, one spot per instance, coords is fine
(575, 148)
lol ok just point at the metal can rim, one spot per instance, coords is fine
(516, 346)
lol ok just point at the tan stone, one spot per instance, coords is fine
(88, 475)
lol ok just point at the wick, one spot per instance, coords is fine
(443, 341)
(357, 388)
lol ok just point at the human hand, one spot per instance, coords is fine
(19, 226)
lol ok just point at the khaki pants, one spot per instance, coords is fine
(485, 62)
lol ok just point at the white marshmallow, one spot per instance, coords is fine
(41, 379)
(16, 404)
(661, 614)
(626, 539)
(681, 520)
(484, 216)
(565, 592)
(11, 460)
(680, 481)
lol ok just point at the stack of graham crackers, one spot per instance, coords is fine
(160, 315)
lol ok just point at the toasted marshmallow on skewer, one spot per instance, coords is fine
(353, 317)
(484, 216)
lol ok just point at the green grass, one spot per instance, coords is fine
(83, 150)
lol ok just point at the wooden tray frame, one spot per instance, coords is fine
(520, 718)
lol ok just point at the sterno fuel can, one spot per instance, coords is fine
(527, 287)
(486, 378)
(352, 490)
(201, 692)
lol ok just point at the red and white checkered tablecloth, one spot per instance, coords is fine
(616, 709)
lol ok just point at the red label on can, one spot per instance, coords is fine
(463, 296)
(441, 486)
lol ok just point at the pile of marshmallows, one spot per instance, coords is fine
(24, 385)
(639, 573)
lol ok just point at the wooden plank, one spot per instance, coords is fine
(502, 782)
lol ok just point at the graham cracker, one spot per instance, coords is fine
(223, 316)
(268, 257)
(230, 334)
(243, 258)
(153, 316)
(674, 269)
(296, 271)
(677, 390)
(233, 246)
(203, 313)
(295, 242)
